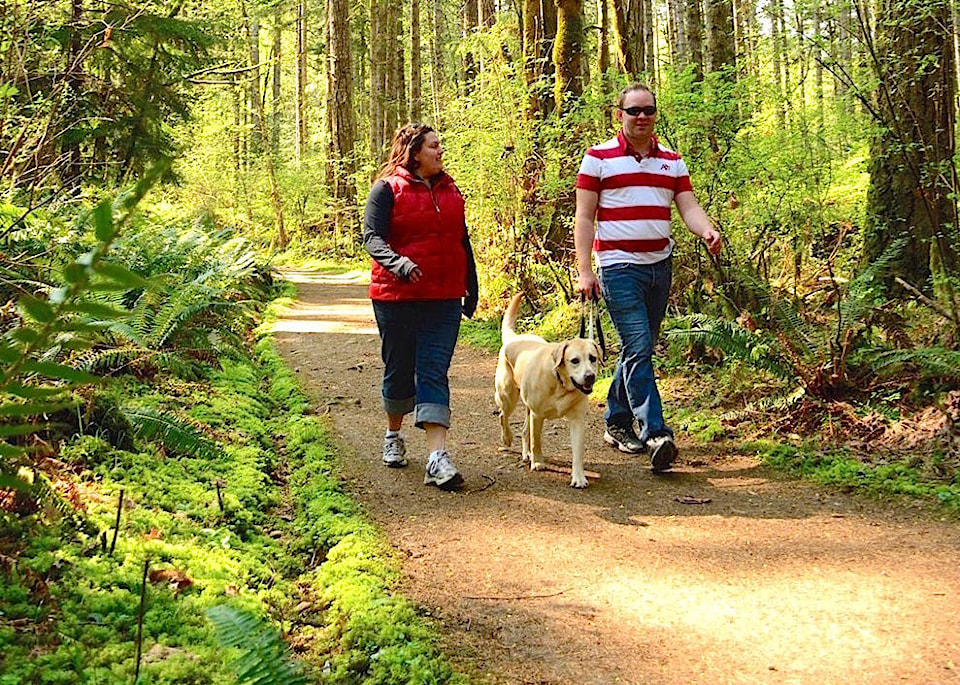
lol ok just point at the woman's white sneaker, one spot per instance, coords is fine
(441, 471)
(394, 451)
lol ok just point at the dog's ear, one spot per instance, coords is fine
(558, 353)
(596, 346)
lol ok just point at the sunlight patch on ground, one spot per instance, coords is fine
(345, 316)
(314, 326)
(350, 277)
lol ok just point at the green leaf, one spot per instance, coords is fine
(60, 371)
(8, 481)
(33, 408)
(37, 309)
(103, 222)
(14, 430)
(74, 273)
(33, 392)
(121, 275)
(97, 309)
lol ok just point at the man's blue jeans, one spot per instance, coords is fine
(416, 342)
(636, 297)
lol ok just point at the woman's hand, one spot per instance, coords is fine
(415, 275)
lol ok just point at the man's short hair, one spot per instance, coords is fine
(636, 85)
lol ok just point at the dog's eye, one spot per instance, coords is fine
(592, 359)
(575, 360)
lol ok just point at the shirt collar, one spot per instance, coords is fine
(626, 149)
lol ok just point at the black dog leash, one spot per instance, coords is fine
(594, 320)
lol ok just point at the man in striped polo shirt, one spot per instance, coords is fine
(625, 188)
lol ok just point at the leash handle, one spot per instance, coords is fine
(594, 317)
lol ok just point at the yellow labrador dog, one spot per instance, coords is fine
(553, 380)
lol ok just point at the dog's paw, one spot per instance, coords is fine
(538, 466)
(578, 482)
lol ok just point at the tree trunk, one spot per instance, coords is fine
(720, 37)
(678, 51)
(912, 176)
(776, 15)
(276, 109)
(260, 123)
(416, 76)
(378, 77)
(256, 103)
(436, 60)
(470, 20)
(567, 52)
(693, 30)
(532, 41)
(488, 14)
(548, 11)
(649, 42)
(74, 76)
(603, 47)
(628, 33)
(300, 146)
(340, 106)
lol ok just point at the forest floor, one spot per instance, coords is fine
(765, 580)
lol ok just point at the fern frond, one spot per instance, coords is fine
(265, 659)
(734, 340)
(174, 434)
(867, 284)
(931, 362)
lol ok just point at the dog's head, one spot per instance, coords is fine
(577, 362)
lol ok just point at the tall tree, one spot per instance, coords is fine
(720, 36)
(275, 57)
(300, 106)
(628, 31)
(568, 51)
(379, 38)
(436, 59)
(603, 27)
(341, 116)
(693, 36)
(488, 13)
(470, 22)
(256, 103)
(416, 75)
(649, 42)
(912, 178)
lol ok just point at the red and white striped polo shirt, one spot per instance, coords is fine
(633, 212)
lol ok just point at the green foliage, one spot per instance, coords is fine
(264, 657)
(843, 470)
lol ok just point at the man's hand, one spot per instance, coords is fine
(711, 237)
(588, 284)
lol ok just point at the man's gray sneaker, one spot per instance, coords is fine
(441, 471)
(662, 453)
(394, 451)
(623, 438)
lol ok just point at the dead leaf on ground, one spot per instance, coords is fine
(177, 580)
(689, 499)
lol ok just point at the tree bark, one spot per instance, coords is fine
(436, 60)
(276, 106)
(603, 46)
(693, 31)
(300, 106)
(720, 37)
(378, 77)
(488, 13)
(628, 34)
(416, 76)
(567, 52)
(912, 176)
(256, 103)
(470, 21)
(340, 106)
(649, 43)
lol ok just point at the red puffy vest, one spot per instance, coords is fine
(428, 226)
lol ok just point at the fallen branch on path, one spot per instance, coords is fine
(507, 598)
(473, 490)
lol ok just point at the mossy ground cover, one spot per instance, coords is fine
(281, 541)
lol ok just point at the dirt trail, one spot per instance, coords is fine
(772, 581)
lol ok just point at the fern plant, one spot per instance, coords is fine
(36, 378)
(264, 658)
(813, 357)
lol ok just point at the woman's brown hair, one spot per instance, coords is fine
(404, 147)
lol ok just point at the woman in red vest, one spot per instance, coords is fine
(423, 279)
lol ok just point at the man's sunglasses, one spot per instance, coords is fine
(649, 110)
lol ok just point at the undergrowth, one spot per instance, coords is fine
(261, 526)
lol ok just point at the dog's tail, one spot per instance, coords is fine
(508, 329)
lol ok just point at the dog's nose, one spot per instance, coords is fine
(589, 379)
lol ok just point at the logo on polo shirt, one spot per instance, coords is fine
(664, 167)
